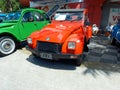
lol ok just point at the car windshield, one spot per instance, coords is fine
(12, 16)
(68, 16)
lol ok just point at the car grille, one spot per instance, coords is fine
(49, 47)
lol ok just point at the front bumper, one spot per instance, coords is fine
(48, 55)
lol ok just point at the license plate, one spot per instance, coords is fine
(46, 55)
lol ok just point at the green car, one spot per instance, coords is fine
(17, 26)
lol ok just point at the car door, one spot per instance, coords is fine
(27, 25)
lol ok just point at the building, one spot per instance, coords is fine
(101, 12)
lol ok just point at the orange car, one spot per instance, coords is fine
(65, 38)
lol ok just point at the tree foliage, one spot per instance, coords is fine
(9, 5)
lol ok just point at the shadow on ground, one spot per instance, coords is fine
(91, 68)
(96, 68)
(62, 64)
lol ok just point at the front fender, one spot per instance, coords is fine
(114, 32)
(88, 32)
(118, 36)
(10, 32)
(79, 39)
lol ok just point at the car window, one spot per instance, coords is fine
(28, 17)
(38, 16)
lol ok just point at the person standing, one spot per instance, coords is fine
(108, 29)
(95, 29)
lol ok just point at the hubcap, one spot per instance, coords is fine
(7, 46)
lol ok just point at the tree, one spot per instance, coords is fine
(9, 5)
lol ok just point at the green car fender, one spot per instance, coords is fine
(10, 30)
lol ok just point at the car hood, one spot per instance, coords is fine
(3, 25)
(56, 32)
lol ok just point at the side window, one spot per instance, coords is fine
(28, 17)
(38, 16)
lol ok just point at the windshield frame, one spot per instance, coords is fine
(69, 16)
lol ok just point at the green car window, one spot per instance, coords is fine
(28, 17)
(38, 16)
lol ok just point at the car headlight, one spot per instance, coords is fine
(29, 40)
(71, 45)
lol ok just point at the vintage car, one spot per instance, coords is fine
(65, 38)
(115, 34)
(16, 27)
(2, 17)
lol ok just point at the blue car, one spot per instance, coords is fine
(9, 16)
(115, 34)
(2, 17)
(13, 15)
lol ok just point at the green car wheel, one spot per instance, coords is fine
(7, 45)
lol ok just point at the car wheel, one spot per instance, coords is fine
(88, 42)
(79, 60)
(86, 49)
(7, 45)
(113, 41)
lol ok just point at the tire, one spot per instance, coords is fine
(86, 49)
(113, 41)
(7, 45)
(88, 42)
(79, 60)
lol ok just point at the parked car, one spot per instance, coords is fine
(2, 17)
(13, 15)
(16, 27)
(65, 38)
(115, 34)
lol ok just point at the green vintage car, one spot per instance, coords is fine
(17, 26)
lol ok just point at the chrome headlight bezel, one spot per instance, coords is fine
(71, 45)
